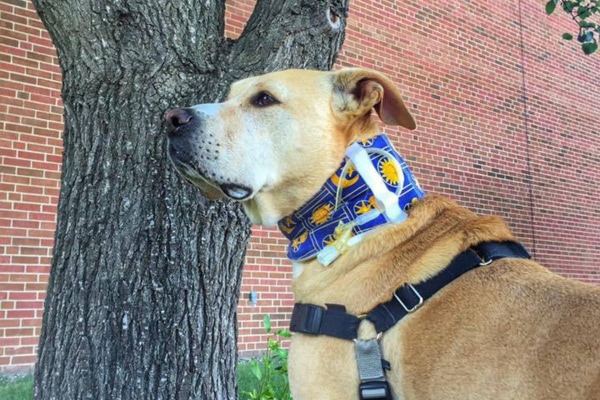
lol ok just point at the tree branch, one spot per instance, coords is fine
(278, 35)
(167, 30)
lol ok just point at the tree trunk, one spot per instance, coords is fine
(146, 273)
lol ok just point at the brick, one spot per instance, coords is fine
(26, 224)
(11, 286)
(37, 287)
(21, 350)
(18, 128)
(34, 251)
(7, 305)
(29, 341)
(9, 323)
(28, 305)
(13, 231)
(18, 315)
(31, 322)
(8, 342)
(23, 360)
(42, 233)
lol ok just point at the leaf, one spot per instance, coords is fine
(251, 395)
(550, 7)
(272, 344)
(586, 24)
(256, 371)
(281, 353)
(584, 14)
(567, 36)
(568, 6)
(267, 323)
(284, 334)
(589, 48)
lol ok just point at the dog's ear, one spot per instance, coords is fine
(359, 90)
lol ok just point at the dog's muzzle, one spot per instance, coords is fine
(183, 127)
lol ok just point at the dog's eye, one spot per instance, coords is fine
(264, 99)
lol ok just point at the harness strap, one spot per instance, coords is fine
(373, 384)
(408, 297)
(330, 321)
(334, 321)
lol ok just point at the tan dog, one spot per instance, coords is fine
(510, 330)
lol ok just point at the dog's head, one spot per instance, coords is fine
(276, 138)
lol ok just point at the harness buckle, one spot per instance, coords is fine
(375, 390)
(414, 291)
(306, 318)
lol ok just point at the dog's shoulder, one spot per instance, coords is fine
(437, 231)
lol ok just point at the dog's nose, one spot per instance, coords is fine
(176, 118)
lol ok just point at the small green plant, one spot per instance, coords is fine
(270, 371)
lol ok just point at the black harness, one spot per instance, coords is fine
(333, 320)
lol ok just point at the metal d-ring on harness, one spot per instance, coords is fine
(333, 320)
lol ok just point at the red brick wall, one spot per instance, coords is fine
(460, 67)
(30, 161)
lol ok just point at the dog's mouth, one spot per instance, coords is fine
(236, 192)
(183, 162)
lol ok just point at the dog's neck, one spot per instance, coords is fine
(372, 187)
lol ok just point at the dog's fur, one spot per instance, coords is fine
(510, 330)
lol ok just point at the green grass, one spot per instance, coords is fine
(16, 388)
(246, 381)
(21, 387)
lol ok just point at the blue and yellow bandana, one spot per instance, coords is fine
(358, 197)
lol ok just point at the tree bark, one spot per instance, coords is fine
(146, 273)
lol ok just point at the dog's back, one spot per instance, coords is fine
(514, 331)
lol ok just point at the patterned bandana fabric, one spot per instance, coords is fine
(346, 200)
